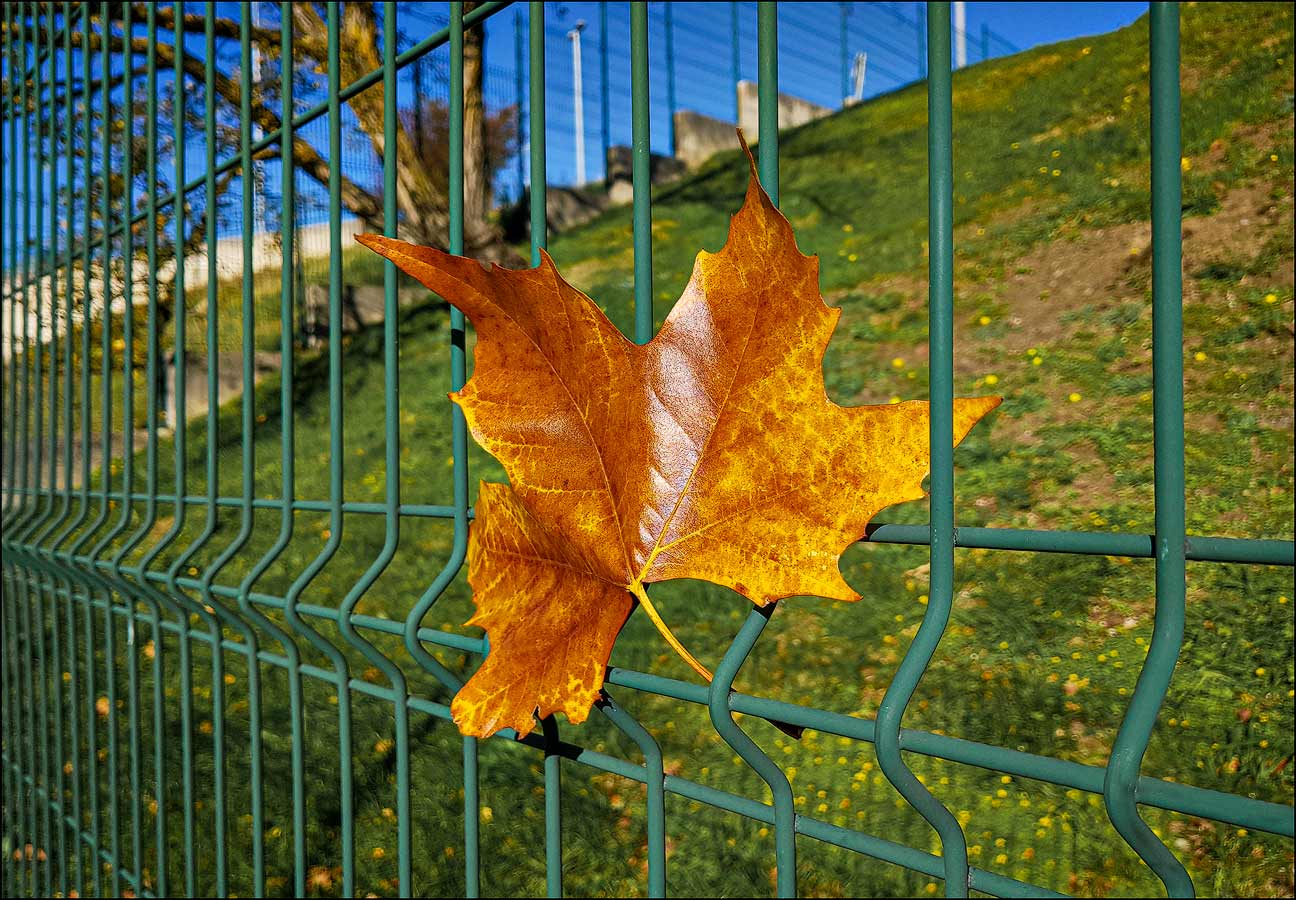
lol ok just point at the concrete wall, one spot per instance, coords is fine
(661, 169)
(699, 137)
(266, 255)
(229, 380)
(792, 111)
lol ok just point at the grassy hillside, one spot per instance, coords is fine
(1053, 312)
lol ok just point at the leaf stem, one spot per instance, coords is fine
(637, 589)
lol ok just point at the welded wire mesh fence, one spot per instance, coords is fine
(180, 627)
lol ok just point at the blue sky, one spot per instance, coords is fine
(810, 56)
(816, 42)
(1031, 24)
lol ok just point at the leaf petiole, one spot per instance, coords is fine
(641, 595)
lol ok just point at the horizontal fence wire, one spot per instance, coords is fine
(84, 544)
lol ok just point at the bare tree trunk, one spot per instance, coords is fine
(481, 237)
(424, 207)
(421, 201)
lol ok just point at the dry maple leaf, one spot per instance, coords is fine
(712, 452)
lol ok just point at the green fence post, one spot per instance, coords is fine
(67, 752)
(30, 485)
(539, 238)
(940, 205)
(142, 590)
(459, 446)
(247, 444)
(177, 601)
(292, 653)
(128, 462)
(336, 444)
(106, 467)
(767, 87)
(719, 693)
(212, 479)
(391, 477)
(36, 633)
(1120, 786)
(71, 523)
(45, 538)
(641, 173)
(721, 713)
(78, 527)
(459, 435)
(287, 420)
(641, 182)
(179, 397)
(125, 539)
(83, 514)
(15, 57)
(341, 672)
(9, 180)
(655, 782)
(536, 135)
(7, 780)
(42, 585)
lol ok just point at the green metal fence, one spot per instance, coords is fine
(82, 548)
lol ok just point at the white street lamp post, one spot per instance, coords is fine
(578, 100)
(960, 34)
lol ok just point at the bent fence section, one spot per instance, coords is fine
(95, 558)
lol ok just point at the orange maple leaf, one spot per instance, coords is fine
(712, 452)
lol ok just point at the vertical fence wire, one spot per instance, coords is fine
(336, 444)
(47, 604)
(8, 777)
(391, 490)
(154, 600)
(65, 665)
(287, 425)
(539, 239)
(940, 206)
(69, 664)
(641, 228)
(458, 441)
(63, 786)
(719, 694)
(180, 461)
(1126, 758)
(35, 607)
(16, 59)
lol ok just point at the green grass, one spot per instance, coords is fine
(1042, 650)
